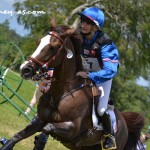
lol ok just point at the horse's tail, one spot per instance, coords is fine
(135, 122)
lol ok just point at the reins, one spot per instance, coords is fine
(52, 79)
(76, 89)
(36, 61)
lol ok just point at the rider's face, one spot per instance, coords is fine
(86, 27)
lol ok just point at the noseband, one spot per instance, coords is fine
(45, 65)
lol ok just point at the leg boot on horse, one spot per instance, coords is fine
(40, 141)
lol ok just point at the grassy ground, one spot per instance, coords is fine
(10, 119)
(11, 122)
(148, 145)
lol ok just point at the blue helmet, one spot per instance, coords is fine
(93, 15)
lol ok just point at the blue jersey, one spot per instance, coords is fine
(108, 57)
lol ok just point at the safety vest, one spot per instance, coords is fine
(91, 59)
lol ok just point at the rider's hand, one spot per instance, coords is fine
(82, 74)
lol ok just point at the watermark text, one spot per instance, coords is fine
(21, 12)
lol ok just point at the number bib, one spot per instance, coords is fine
(91, 64)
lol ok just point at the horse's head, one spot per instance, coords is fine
(59, 44)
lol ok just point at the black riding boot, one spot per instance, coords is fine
(108, 142)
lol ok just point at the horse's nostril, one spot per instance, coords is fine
(27, 72)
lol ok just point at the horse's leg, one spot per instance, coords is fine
(40, 141)
(64, 129)
(35, 126)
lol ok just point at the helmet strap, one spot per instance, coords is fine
(85, 34)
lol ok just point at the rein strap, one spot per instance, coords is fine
(35, 61)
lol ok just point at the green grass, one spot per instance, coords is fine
(148, 145)
(11, 122)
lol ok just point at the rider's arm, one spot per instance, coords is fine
(109, 55)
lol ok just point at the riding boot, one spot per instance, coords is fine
(108, 142)
(40, 141)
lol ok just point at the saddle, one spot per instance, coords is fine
(96, 92)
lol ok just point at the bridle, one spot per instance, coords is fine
(53, 57)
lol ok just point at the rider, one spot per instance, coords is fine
(100, 57)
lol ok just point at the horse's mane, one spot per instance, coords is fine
(75, 38)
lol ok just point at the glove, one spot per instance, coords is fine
(82, 74)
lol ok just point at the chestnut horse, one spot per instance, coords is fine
(65, 110)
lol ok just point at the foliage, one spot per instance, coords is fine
(9, 47)
(8, 34)
(130, 35)
(39, 24)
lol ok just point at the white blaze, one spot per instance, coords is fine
(44, 41)
(23, 64)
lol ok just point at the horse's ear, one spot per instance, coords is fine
(52, 23)
(68, 32)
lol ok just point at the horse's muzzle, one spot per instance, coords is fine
(27, 72)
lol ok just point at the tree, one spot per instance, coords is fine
(7, 33)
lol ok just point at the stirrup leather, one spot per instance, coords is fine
(113, 139)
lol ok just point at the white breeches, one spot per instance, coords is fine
(103, 99)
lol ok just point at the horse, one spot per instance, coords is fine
(65, 110)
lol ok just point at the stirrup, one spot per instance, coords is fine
(113, 139)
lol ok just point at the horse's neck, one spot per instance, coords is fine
(66, 72)
(63, 75)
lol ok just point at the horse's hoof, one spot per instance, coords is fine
(3, 141)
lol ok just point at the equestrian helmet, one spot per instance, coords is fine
(93, 15)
